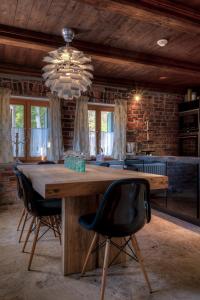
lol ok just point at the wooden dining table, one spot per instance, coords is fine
(80, 195)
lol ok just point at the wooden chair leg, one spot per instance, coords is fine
(57, 227)
(105, 268)
(34, 244)
(89, 252)
(51, 222)
(140, 259)
(29, 232)
(21, 218)
(24, 223)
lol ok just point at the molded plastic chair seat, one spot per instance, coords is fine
(107, 229)
(48, 207)
(103, 164)
(130, 168)
(46, 162)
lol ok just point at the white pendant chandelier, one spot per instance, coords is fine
(69, 71)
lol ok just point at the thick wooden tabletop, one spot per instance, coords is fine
(57, 181)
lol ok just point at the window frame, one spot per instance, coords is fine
(27, 124)
(98, 109)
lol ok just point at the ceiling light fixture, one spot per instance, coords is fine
(162, 42)
(137, 97)
(69, 71)
(136, 94)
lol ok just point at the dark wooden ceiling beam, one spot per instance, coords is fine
(30, 71)
(44, 42)
(6, 68)
(163, 13)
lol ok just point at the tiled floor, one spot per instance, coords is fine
(171, 249)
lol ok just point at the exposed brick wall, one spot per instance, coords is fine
(68, 115)
(7, 184)
(161, 109)
(99, 94)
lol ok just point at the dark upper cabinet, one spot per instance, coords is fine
(189, 128)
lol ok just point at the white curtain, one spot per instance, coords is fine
(81, 127)
(5, 127)
(120, 122)
(55, 147)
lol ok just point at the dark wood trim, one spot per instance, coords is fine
(100, 107)
(178, 9)
(21, 70)
(163, 13)
(29, 71)
(44, 42)
(127, 83)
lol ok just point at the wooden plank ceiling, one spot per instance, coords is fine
(119, 35)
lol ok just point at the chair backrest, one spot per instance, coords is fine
(125, 206)
(104, 164)
(46, 162)
(19, 189)
(130, 167)
(29, 194)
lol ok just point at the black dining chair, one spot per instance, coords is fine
(24, 216)
(103, 164)
(46, 162)
(19, 196)
(123, 211)
(44, 213)
(130, 168)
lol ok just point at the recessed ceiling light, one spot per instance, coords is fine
(162, 42)
(162, 77)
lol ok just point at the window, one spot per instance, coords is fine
(101, 129)
(30, 128)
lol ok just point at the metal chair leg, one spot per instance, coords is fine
(105, 268)
(34, 244)
(89, 252)
(24, 223)
(28, 234)
(140, 259)
(21, 218)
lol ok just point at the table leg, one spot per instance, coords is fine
(76, 240)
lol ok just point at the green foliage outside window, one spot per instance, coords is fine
(17, 116)
(38, 117)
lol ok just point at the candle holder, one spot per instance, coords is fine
(18, 139)
(148, 142)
